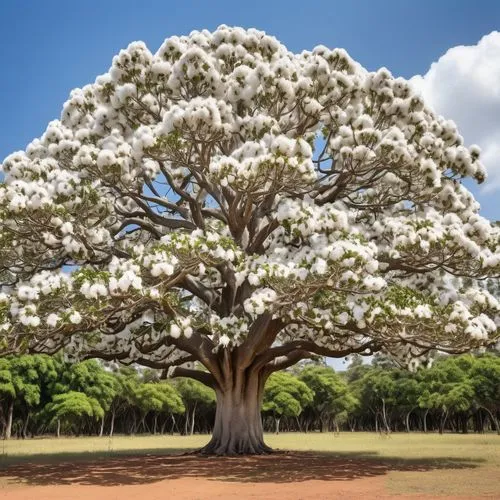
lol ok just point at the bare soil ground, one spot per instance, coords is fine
(286, 475)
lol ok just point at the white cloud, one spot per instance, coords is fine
(464, 85)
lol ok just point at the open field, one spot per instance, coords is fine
(322, 466)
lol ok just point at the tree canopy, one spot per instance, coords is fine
(226, 201)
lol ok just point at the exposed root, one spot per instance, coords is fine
(214, 448)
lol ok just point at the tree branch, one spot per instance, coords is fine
(203, 377)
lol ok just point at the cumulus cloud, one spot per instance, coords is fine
(464, 85)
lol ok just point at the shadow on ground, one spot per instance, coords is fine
(281, 467)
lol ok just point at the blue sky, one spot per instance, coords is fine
(47, 48)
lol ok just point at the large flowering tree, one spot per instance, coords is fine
(228, 202)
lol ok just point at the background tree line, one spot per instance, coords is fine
(45, 395)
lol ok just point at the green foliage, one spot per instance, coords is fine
(331, 392)
(158, 397)
(195, 393)
(286, 395)
(72, 406)
(7, 389)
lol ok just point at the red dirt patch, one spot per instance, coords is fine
(284, 475)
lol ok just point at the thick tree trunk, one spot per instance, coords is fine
(238, 423)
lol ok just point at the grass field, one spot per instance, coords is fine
(411, 463)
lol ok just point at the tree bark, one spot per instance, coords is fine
(299, 426)
(425, 420)
(384, 416)
(238, 423)
(112, 425)
(307, 423)
(101, 430)
(494, 420)
(323, 424)
(407, 420)
(465, 424)
(192, 420)
(8, 426)
(25, 426)
(133, 428)
(442, 423)
(143, 423)
(174, 424)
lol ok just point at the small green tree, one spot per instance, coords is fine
(407, 390)
(447, 388)
(69, 409)
(88, 377)
(331, 394)
(7, 396)
(21, 381)
(485, 380)
(377, 393)
(285, 396)
(195, 396)
(158, 398)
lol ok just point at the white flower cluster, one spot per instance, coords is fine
(262, 300)
(257, 166)
(303, 217)
(122, 277)
(430, 232)
(27, 302)
(331, 253)
(198, 118)
(228, 331)
(180, 326)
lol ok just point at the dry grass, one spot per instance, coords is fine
(449, 464)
